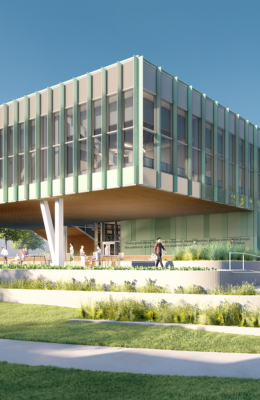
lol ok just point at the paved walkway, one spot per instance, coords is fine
(139, 361)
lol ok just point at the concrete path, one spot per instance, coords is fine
(139, 361)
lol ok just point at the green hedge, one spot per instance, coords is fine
(118, 268)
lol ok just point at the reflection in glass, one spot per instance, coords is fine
(220, 173)
(97, 144)
(182, 126)
(44, 175)
(166, 145)
(83, 121)
(44, 139)
(148, 149)
(241, 152)
(231, 177)
(21, 137)
(112, 150)
(165, 119)
(56, 128)
(241, 180)
(232, 148)
(83, 157)
(128, 109)
(251, 158)
(196, 173)
(148, 111)
(97, 117)
(69, 125)
(112, 113)
(1, 144)
(10, 172)
(196, 132)
(32, 171)
(1, 173)
(32, 134)
(182, 160)
(21, 170)
(69, 159)
(128, 148)
(209, 170)
(56, 162)
(209, 138)
(251, 184)
(220, 143)
(10, 141)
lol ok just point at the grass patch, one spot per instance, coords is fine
(40, 382)
(246, 289)
(50, 324)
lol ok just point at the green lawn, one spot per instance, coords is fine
(25, 382)
(50, 324)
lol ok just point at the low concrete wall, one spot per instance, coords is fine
(72, 299)
(173, 279)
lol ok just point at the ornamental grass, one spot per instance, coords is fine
(225, 314)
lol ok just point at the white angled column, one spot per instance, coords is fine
(46, 215)
(59, 232)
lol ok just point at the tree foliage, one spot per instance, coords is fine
(29, 240)
(11, 234)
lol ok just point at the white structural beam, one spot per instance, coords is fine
(59, 232)
(46, 215)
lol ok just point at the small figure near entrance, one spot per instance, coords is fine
(72, 251)
(158, 251)
(194, 243)
(98, 254)
(107, 250)
(4, 253)
(82, 256)
(232, 242)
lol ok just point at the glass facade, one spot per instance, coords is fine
(148, 131)
(44, 150)
(101, 143)
(69, 131)
(82, 139)
(209, 148)
(182, 132)
(196, 149)
(56, 144)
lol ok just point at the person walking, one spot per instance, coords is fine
(4, 253)
(82, 256)
(158, 251)
(98, 254)
(72, 251)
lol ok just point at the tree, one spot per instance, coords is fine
(11, 234)
(29, 240)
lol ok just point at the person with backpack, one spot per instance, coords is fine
(158, 251)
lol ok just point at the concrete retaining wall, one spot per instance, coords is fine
(72, 299)
(206, 279)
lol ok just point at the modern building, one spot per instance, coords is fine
(125, 154)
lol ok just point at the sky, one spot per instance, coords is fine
(211, 45)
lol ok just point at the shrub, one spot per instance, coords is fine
(213, 251)
(226, 314)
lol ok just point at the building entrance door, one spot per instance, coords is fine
(111, 248)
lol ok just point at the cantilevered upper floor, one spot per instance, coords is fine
(130, 123)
